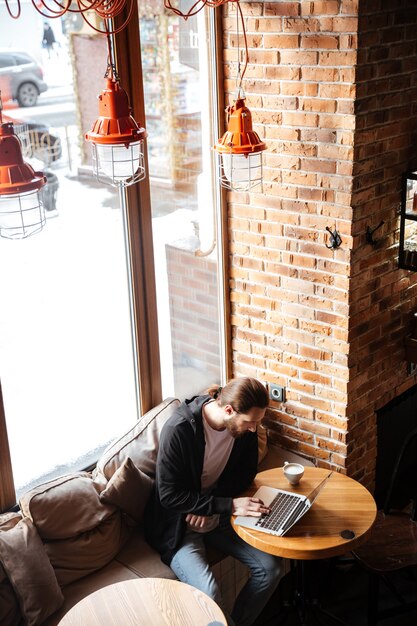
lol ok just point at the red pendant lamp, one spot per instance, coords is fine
(240, 150)
(21, 208)
(117, 139)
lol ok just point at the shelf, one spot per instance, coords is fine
(408, 222)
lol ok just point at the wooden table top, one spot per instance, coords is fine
(146, 602)
(343, 504)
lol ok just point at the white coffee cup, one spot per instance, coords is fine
(293, 472)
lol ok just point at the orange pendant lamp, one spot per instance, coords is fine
(21, 209)
(117, 139)
(240, 150)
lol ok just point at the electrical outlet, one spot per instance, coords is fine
(277, 393)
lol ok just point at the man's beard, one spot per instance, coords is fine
(233, 429)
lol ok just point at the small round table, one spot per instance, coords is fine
(146, 602)
(340, 520)
(343, 505)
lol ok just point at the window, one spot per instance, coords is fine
(75, 369)
(65, 342)
(179, 102)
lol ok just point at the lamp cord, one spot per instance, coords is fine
(111, 71)
(109, 10)
(104, 9)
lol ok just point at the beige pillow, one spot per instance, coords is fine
(10, 614)
(65, 507)
(30, 572)
(140, 443)
(128, 489)
(7, 521)
(79, 556)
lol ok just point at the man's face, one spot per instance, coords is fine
(240, 423)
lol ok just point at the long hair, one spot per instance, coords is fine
(241, 393)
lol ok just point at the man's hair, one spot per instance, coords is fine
(241, 393)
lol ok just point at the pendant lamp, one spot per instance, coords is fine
(240, 150)
(21, 209)
(117, 139)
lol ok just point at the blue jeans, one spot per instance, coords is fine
(190, 565)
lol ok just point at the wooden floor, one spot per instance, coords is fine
(341, 586)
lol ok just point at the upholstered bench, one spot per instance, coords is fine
(82, 531)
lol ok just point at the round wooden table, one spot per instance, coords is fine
(340, 519)
(343, 506)
(146, 602)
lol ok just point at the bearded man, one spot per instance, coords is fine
(208, 456)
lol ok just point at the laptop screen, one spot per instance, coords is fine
(313, 495)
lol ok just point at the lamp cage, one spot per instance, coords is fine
(21, 209)
(117, 139)
(21, 215)
(240, 150)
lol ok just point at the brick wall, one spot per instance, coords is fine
(382, 296)
(332, 91)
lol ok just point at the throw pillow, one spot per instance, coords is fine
(64, 507)
(140, 443)
(128, 489)
(79, 556)
(32, 577)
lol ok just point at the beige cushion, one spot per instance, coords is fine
(262, 442)
(140, 443)
(128, 489)
(65, 507)
(79, 556)
(276, 457)
(114, 572)
(143, 560)
(32, 577)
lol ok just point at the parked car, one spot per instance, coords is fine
(21, 78)
(37, 139)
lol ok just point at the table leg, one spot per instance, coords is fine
(303, 606)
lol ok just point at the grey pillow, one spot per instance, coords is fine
(30, 572)
(128, 489)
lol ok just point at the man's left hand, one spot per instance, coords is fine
(197, 521)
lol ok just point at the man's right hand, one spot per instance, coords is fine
(249, 506)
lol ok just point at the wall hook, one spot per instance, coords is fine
(335, 239)
(370, 232)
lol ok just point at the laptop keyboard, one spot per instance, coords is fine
(282, 506)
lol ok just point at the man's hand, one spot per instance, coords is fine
(249, 506)
(197, 521)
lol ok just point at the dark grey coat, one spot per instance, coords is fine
(178, 477)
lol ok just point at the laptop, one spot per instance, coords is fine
(286, 509)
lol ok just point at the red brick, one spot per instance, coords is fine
(319, 41)
(319, 7)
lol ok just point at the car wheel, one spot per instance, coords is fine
(27, 95)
